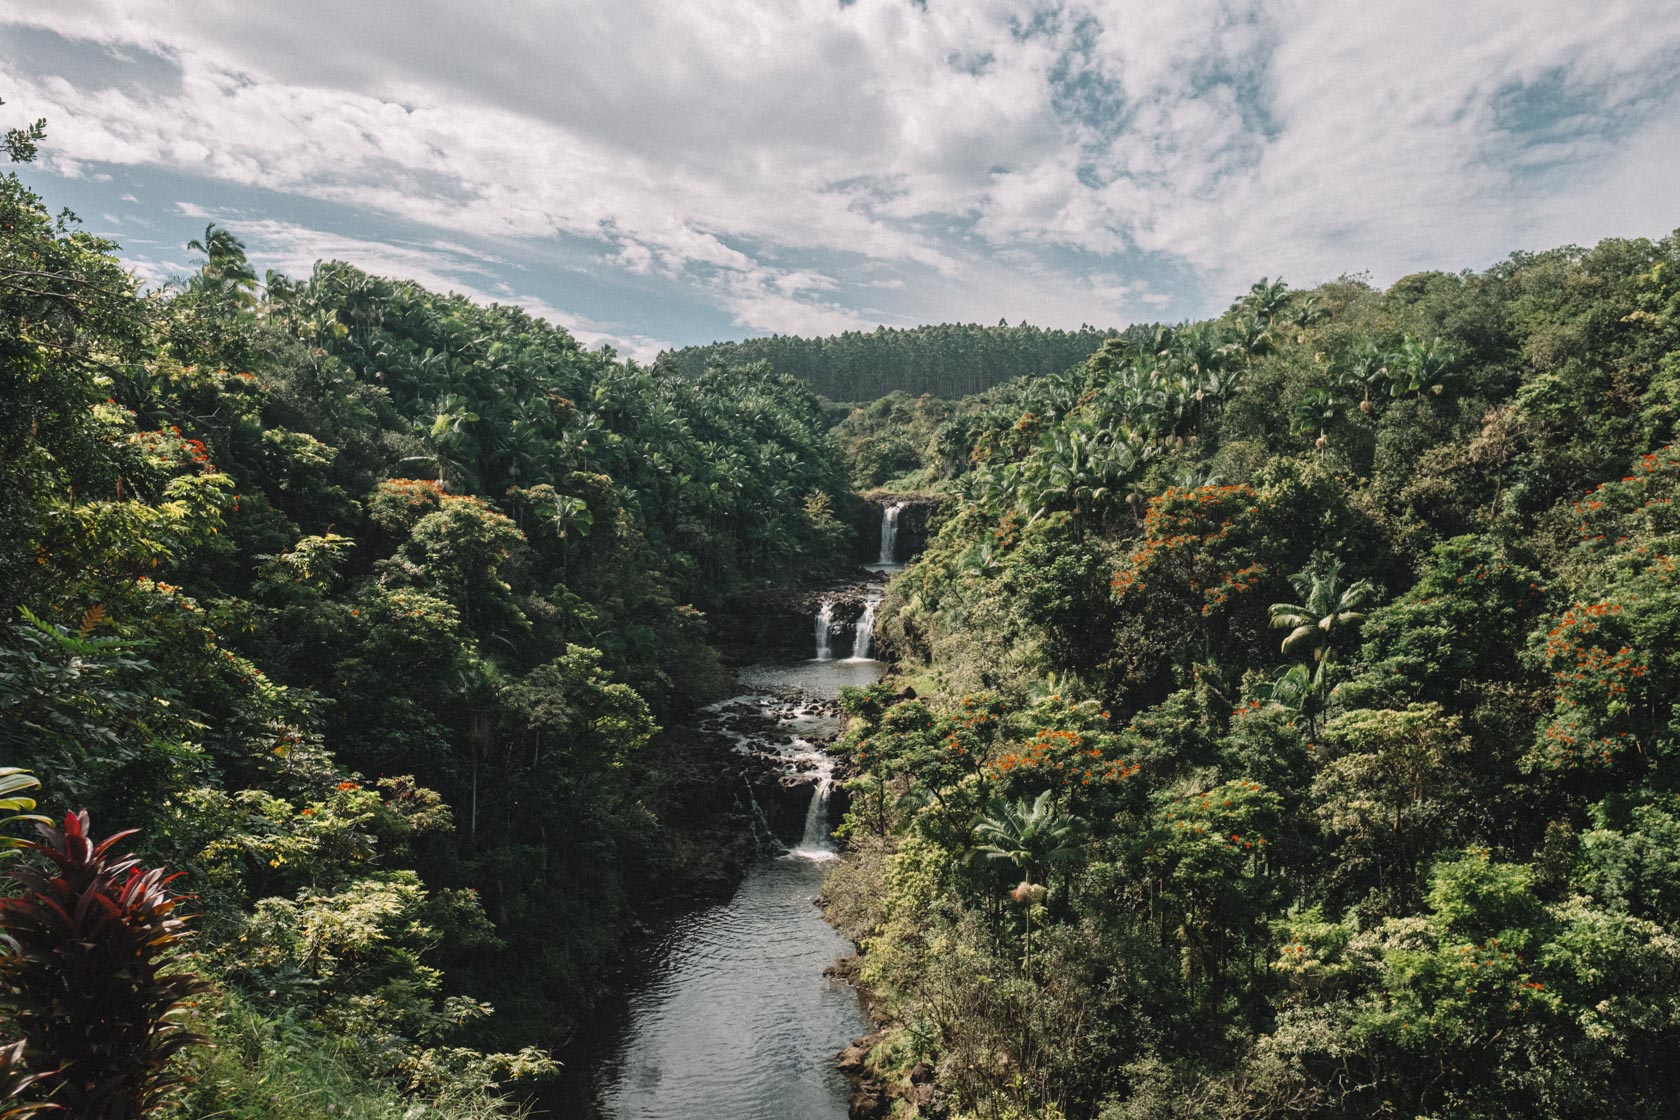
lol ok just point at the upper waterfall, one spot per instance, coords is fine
(889, 533)
(825, 621)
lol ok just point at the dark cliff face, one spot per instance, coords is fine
(916, 523)
(782, 626)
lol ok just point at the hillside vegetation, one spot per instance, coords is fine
(362, 604)
(1284, 720)
(1296, 731)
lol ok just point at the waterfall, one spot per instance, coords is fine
(815, 844)
(763, 835)
(864, 644)
(825, 619)
(889, 533)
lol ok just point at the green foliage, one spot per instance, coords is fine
(1416, 862)
(948, 360)
(275, 1067)
(265, 539)
(1029, 837)
(22, 144)
(1390, 787)
(13, 782)
(1325, 607)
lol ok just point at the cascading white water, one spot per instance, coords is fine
(815, 844)
(889, 533)
(763, 835)
(864, 644)
(825, 620)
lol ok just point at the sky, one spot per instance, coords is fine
(651, 173)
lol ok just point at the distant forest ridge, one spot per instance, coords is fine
(947, 360)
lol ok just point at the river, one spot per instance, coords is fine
(729, 1014)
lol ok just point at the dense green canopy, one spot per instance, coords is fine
(948, 360)
(362, 602)
(1342, 627)
(1294, 716)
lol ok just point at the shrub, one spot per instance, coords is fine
(84, 981)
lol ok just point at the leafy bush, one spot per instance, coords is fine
(87, 980)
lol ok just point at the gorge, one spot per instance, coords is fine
(729, 1011)
(1273, 715)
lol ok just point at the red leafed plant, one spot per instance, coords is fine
(84, 950)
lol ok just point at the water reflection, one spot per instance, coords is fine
(734, 1018)
(822, 679)
(740, 1021)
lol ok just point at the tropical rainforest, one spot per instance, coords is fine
(1293, 728)
(1281, 721)
(362, 604)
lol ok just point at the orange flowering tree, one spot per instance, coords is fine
(909, 748)
(1070, 748)
(1208, 873)
(1609, 654)
(1193, 581)
(951, 764)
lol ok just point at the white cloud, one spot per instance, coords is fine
(790, 164)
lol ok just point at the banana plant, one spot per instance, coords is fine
(13, 782)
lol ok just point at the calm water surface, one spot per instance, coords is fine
(733, 1018)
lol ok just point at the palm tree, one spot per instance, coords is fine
(1307, 314)
(448, 442)
(1318, 408)
(1267, 300)
(1031, 838)
(1304, 688)
(1420, 365)
(1304, 691)
(1325, 606)
(1365, 367)
(225, 271)
(1193, 477)
(571, 518)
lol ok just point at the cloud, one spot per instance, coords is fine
(808, 166)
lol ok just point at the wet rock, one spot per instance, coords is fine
(869, 1101)
(851, 1060)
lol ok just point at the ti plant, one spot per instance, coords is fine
(83, 980)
